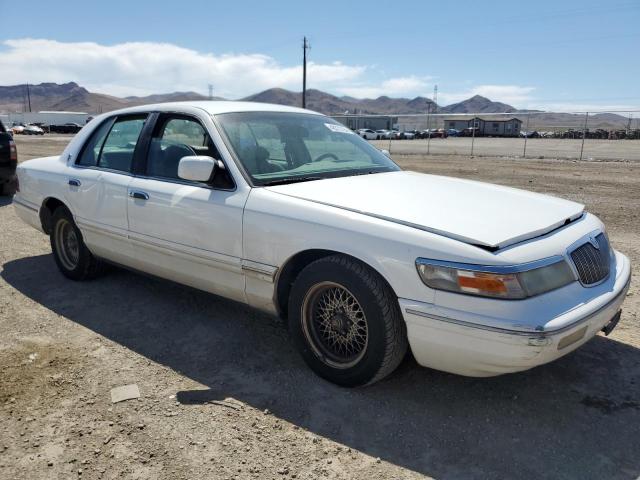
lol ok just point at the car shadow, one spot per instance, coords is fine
(575, 418)
(5, 200)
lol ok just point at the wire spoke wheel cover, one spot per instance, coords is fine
(334, 325)
(67, 244)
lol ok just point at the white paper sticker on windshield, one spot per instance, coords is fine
(337, 128)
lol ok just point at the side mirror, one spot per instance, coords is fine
(197, 168)
(385, 152)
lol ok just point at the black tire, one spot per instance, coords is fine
(72, 256)
(377, 313)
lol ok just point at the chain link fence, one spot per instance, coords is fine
(579, 135)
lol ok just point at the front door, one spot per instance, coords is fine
(189, 232)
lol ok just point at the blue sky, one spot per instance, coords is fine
(552, 55)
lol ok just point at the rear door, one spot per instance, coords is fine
(189, 232)
(98, 182)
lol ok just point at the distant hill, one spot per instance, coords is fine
(52, 96)
(169, 97)
(332, 105)
(478, 104)
(72, 97)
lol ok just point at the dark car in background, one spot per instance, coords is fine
(434, 133)
(8, 162)
(66, 128)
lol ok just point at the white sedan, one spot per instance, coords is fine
(32, 130)
(368, 134)
(291, 212)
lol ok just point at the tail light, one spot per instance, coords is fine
(13, 151)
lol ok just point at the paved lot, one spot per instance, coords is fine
(514, 147)
(224, 395)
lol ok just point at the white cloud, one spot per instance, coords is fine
(570, 107)
(410, 86)
(141, 68)
(512, 94)
(523, 97)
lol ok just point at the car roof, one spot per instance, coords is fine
(216, 107)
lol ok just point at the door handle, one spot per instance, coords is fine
(139, 195)
(74, 182)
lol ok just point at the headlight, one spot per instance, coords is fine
(509, 282)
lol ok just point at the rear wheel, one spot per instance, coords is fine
(73, 258)
(346, 322)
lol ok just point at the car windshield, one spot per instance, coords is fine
(279, 147)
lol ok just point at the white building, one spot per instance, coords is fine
(46, 118)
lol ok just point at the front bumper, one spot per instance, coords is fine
(441, 339)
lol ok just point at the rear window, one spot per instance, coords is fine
(112, 144)
(91, 151)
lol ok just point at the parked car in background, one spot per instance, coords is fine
(383, 134)
(8, 162)
(290, 212)
(66, 128)
(17, 129)
(368, 134)
(531, 134)
(469, 132)
(452, 132)
(434, 133)
(32, 130)
(407, 135)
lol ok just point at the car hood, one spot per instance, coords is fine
(477, 213)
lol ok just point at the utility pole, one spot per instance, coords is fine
(210, 92)
(435, 108)
(584, 133)
(305, 47)
(29, 97)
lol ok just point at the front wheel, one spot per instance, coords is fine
(72, 256)
(346, 322)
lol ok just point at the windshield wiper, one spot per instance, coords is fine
(284, 181)
(368, 172)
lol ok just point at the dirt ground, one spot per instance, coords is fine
(539, 148)
(224, 395)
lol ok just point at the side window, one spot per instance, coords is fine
(91, 150)
(118, 148)
(177, 137)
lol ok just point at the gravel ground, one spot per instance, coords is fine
(514, 147)
(224, 395)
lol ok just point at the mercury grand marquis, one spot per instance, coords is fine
(291, 212)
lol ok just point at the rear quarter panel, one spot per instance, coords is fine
(40, 179)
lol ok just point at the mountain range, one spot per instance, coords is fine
(73, 97)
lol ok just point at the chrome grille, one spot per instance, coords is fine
(592, 263)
